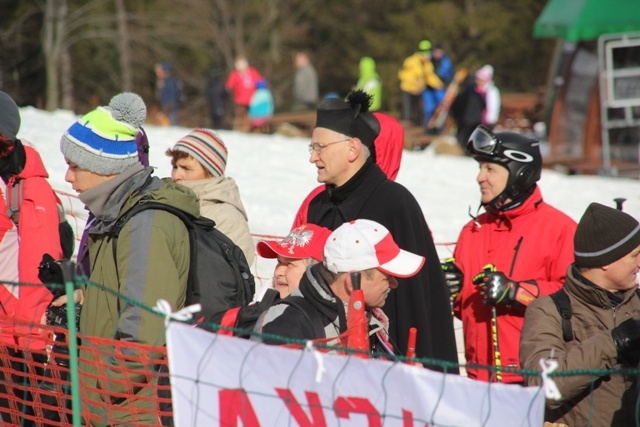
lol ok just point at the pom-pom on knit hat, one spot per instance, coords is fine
(604, 235)
(9, 118)
(103, 141)
(207, 148)
(351, 118)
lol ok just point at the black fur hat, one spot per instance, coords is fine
(351, 118)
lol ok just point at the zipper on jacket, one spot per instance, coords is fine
(516, 250)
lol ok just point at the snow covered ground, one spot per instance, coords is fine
(274, 175)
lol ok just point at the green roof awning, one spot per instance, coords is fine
(575, 20)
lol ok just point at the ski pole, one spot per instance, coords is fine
(496, 345)
(494, 335)
(619, 201)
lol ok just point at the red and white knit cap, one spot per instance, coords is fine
(207, 148)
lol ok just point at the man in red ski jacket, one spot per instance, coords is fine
(517, 250)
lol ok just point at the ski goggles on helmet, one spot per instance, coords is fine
(484, 142)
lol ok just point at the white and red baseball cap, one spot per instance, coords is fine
(305, 241)
(363, 244)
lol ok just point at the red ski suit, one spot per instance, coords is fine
(531, 242)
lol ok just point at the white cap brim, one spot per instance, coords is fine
(405, 264)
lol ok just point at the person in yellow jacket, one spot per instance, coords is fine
(417, 73)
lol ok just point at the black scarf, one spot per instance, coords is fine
(14, 163)
(339, 194)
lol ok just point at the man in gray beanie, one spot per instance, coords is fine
(151, 258)
(599, 328)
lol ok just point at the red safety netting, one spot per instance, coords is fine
(121, 383)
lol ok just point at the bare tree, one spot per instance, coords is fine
(53, 33)
(124, 49)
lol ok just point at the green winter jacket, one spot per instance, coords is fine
(369, 82)
(152, 263)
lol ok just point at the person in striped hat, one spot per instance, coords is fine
(198, 161)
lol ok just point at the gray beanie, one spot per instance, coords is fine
(604, 235)
(103, 141)
(9, 118)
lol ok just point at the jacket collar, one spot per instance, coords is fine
(340, 194)
(528, 206)
(317, 291)
(590, 293)
(334, 206)
(105, 201)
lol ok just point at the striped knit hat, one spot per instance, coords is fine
(103, 141)
(206, 147)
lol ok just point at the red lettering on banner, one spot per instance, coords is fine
(407, 419)
(235, 405)
(344, 406)
(313, 402)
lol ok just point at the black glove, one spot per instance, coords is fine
(453, 276)
(626, 337)
(50, 272)
(496, 288)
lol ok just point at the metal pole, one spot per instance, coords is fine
(68, 272)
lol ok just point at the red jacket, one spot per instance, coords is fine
(243, 85)
(531, 242)
(39, 234)
(389, 145)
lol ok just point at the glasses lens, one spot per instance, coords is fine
(482, 141)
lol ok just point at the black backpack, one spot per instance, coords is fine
(219, 274)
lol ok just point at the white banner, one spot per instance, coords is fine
(224, 381)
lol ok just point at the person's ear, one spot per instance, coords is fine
(347, 283)
(355, 147)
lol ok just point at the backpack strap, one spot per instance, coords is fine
(143, 205)
(563, 304)
(309, 312)
(241, 275)
(14, 199)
